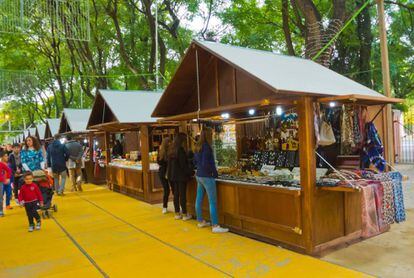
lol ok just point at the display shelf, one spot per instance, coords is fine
(339, 189)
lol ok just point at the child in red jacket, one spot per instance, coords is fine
(30, 195)
(5, 174)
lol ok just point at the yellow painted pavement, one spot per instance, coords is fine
(99, 233)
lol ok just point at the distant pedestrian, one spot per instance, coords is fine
(5, 174)
(57, 156)
(30, 196)
(75, 152)
(9, 148)
(15, 164)
(32, 156)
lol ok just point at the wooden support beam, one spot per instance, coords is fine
(144, 137)
(307, 169)
(386, 80)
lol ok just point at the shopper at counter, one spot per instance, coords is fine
(179, 174)
(162, 160)
(117, 150)
(206, 181)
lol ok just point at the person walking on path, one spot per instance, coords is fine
(7, 187)
(162, 160)
(75, 152)
(30, 196)
(178, 175)
(206, 181)
(15, 165)
(5, 174)
(57, 156)
(32, 156)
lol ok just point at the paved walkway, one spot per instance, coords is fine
(101, 233)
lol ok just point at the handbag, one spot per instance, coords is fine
(326, 134)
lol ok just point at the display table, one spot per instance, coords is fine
(130, 180)
(275, 214)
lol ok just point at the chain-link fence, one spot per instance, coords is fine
(404, 136)
(65, 19)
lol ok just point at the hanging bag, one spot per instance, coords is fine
(326, 134)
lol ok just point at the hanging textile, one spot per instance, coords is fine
(347, 130)
(395, 178)
(388, 202)
(356, 127)
(370, 226)
(373, 149)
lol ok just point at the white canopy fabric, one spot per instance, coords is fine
(41, 128)
(32, 131)
(288, 73)
(77, 119)
(53, 125)
(131, 106)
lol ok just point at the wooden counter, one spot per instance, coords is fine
(100, 178)
(275, 214)
(132, 182)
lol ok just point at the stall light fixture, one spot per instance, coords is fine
(252, 112)
(85, 141)
(332, 104)
(225, 115)
(62, 140)
(279, 111)
(194, 120)
(96, 143)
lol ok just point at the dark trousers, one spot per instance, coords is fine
(85, 176)
(16, 186)
(31, 211)
(166, 187)
(180, 196)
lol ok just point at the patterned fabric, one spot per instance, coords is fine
(370, 226)
(396, 179)
(356, 127)
(347, 130)
(328, 182)
(373, 150)
(32, 159)
(388, 202)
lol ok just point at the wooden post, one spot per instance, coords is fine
(107, 147)
(386, 80)
(144, 137)
(307, 169)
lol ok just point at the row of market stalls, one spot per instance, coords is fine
(292, 141)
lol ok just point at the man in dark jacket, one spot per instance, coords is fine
(57, 155)
(75, 152)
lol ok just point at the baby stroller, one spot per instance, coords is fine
(45, 183)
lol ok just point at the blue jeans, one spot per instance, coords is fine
(59, 187)
(206, 185)
(7, 190)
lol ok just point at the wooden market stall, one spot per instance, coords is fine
(40, 132)
(74, 122)
(251, 88)
(126, 116)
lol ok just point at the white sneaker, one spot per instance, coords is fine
(203, 224)
(187, 217)
(219, 230)
(178, 217)
(164, 210)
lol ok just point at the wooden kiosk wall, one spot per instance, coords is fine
(142, 184)
(308, 220)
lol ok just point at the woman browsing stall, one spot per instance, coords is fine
(31, 156)
(162, 160)
(206, 181)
